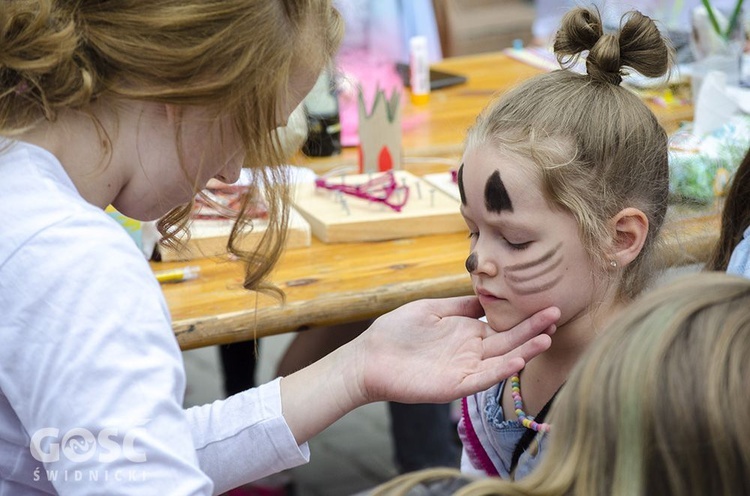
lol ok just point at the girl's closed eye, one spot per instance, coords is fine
(511, 245)
(518, 246)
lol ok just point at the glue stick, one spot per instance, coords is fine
(419, 70)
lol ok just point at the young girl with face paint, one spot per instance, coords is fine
(564, 186)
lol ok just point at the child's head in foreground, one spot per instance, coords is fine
(564, 180)
(658, 405)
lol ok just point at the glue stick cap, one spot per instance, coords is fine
(418, 44)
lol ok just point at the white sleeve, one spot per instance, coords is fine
(244, 437)
(93, 373)
(91, 367)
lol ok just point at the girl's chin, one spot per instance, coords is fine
(503, 322)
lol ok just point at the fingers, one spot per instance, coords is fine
(498, 368)
(530, 348)
(541, 323)
(505, 353)
(466, 306)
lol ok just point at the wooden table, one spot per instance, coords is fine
(335, 283)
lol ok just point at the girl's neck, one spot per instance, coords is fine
(573, 338)
(546, 373)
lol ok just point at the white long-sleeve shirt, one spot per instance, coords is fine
(91, 377)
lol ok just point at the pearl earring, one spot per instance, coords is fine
(613, 263)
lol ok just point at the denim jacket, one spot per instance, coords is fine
(489, 439)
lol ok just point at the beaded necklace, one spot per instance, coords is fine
(526, 421)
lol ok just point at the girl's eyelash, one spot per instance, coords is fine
(513, 246)
(519, 246)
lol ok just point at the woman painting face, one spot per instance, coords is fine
(164, 172)
(525, 255)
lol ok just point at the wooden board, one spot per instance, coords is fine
(208, 238)
(427, 211)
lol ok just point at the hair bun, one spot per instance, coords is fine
(604, 61)
(638, 45)
(40, 57)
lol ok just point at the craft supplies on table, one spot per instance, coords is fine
(335, 216)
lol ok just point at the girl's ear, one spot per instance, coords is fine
(631, 228)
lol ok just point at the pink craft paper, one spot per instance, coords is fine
(369, 72)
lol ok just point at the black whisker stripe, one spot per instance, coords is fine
(543, 258)
(544, 271)
(538, 289)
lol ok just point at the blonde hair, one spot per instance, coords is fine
(599, 149)
(232, 56)
(658, 405)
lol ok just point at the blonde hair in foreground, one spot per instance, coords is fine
(658, 406)
(235, 57)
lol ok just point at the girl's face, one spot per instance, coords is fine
(525, 255)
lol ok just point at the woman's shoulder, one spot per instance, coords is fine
(42, 206)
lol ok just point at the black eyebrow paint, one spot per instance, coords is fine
(496, 197)
(460, 181)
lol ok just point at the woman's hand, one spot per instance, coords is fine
(435, 351)
(429, 351)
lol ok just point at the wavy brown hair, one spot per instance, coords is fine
(597, 145)
(234, 57)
